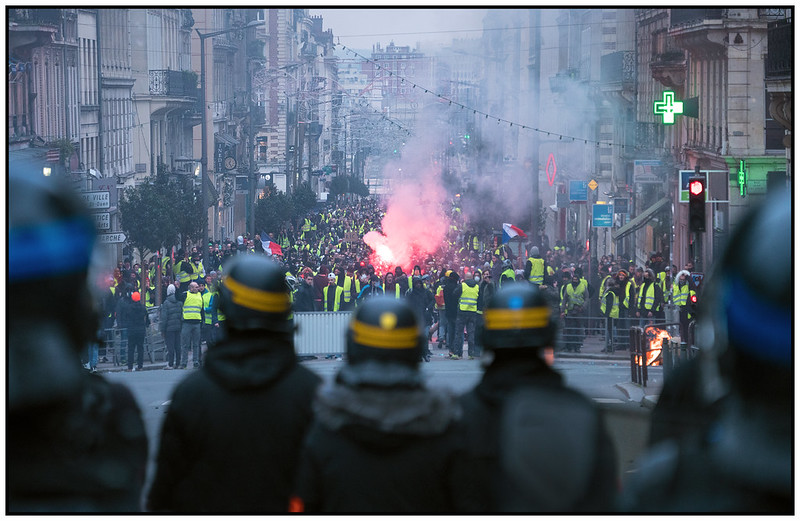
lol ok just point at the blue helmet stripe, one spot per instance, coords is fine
(49, 249)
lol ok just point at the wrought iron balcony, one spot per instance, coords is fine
(618, 68)
(176, 84)
(780, 54)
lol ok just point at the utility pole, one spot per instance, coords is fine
(535, 75)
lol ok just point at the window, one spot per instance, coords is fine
(773, 131)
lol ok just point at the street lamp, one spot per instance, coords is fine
(204, 127)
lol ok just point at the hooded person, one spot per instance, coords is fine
(451, 309)
(422, 302)
(221, 448)
(75, 442)
(381, 440)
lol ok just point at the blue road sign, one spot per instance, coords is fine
(578, 191)
(602, 215)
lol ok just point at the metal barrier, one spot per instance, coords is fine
(613, 333)
(114, 345)
(642, 355)
(320, 332)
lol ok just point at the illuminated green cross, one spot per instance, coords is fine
(742, 179)
(668, 107)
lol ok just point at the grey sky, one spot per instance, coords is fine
(362, 28)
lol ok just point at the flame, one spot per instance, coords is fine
(656, 336)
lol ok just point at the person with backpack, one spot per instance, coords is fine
(532, 444)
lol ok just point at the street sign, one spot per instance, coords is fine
(111, 238)
(602, 215)
(647, 171)
(592, 184)
(102, 220)
(578, 191)
(620, 205)
(97, 200)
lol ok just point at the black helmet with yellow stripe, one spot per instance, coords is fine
(254, 294)
(518, 315)
(384, 346)
(384, 329)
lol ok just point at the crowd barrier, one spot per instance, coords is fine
(320, 333)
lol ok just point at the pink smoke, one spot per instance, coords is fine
(414, 225)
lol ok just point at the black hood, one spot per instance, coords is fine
(385, 418)
(249, 362)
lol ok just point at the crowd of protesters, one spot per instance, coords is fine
(326, 249)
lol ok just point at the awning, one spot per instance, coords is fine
(640, 220)
(226, 139)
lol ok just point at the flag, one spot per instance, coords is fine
(510, 231)
(271, 248)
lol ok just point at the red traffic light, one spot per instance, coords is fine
(696, 187)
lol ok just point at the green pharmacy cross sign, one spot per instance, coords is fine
(742, 178)
(668, 107)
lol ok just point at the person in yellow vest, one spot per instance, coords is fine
(649, 306)
(609, 308)
(192, 312)
(507, 275)
(682, 294)
(210, 327)
(575, 299)
(402, 279)
(350, 286)
(181, 273)
(391, 288)
(535, 267)
(332, 295)
(467, 294)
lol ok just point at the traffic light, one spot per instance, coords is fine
(697, 205)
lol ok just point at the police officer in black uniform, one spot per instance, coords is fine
(531, 443)
(232, 437)
(74, 441)
(381, 441)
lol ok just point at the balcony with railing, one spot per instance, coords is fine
(618, 68)
(173, 84)
(780, 52)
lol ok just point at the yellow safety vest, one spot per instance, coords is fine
(614, 305)
(396, 289)
(207, 306)
(182, 276)
(192, 306)
(575, 295)
(627, 300)
(649, 297)
(469, 297)
(348, 287)
(336, 300)
(537, 271)
(680, 294)
(507, 273)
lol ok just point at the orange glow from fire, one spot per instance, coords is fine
(656, 337)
